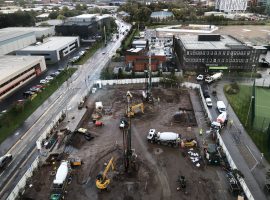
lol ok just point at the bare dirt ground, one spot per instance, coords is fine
(158, 166)
(257, 35)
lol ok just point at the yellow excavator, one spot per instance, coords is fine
(102, 181)
(134, 109)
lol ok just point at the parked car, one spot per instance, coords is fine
(4, 160)
(35, 89)
(81, 53)
(43, 81)
(209, 102)
(200, 77)
(49, 78)
(206, 94)
(57, 73)
(221, 106)
(29, 95)
(60, 69)
(40, 86)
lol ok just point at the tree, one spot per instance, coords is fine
(78, 6)
(53, 15)
(61, 17)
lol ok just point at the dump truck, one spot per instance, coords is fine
(214, 77)
(60, 181)
(165, 138)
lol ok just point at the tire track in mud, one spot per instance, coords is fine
(161, 171)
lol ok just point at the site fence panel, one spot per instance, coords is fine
(233, 166)
(21, 184)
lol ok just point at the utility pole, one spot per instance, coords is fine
(105, 37)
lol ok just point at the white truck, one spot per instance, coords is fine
(60, 181)
(165, 138)
(214, 77)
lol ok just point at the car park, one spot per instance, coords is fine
(4, 160)
(209, 102)
(200, 77)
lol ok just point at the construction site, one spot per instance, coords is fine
(130, 144)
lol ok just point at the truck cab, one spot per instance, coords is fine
(151, 134)
(221, 106)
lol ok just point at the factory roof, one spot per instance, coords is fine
(12, 65)
(52, 44)
(29, 29)
(7, 34)
(226, 42)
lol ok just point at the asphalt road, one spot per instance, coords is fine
(243, 151)
(66, 98)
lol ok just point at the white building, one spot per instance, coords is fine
(15, 71)
(231, 5)
(14, 40)
(40, 32)
(53, 49)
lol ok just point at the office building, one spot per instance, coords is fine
(218, 52)
(231, 5)
(53, 49)
(85, 25)
(15, 71)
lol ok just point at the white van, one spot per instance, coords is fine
(221, 106)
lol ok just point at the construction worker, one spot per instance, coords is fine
(201, 131)
(231, 123)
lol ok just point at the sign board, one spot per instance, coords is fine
(218, 67)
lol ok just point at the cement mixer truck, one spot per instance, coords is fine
(214, 77)
(164, 138)
(60, 181)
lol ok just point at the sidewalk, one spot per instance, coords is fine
(254, 175)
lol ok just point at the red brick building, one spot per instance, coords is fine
(139, 63)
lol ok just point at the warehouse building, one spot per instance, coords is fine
(40, 32)
(53, 49)
(217, 52)
(15, 71)
(85, 25)
(11, 41)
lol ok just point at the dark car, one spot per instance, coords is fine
(4, 160)
(206, 94)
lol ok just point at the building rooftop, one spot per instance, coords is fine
(12, 65)
(161, 14)
(29, 29)
(52, 43)
(7, 34)
(226, 42)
